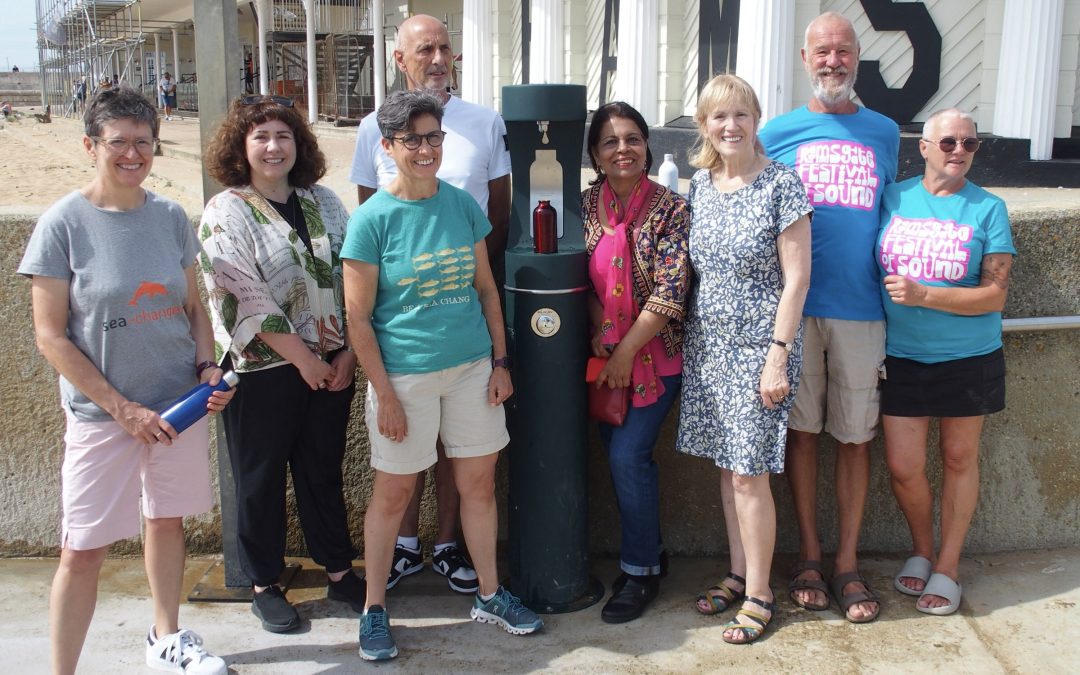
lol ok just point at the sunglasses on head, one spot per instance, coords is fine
(948, 144)
(256, 99)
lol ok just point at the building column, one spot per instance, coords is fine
(175, 55)
(264, 21)
(635, 70)
(1027, 85)
(763, 59)
(476, 56)
(157, 67)
(379, 57)
(312, 63)
(545, 46)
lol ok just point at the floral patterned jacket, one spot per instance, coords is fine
(261, 278)
(660, 260)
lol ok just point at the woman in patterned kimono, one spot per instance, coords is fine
(636, 237)
(271, 243)
(750, 248)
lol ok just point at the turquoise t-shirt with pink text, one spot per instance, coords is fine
(939, 241)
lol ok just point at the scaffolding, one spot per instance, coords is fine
(83, 43)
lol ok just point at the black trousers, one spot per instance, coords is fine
(275, 421)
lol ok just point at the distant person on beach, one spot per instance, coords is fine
(167, 94)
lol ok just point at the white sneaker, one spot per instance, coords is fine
(182, 652)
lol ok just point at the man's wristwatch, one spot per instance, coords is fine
(788, 346)
(503, 362)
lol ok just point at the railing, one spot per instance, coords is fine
(1040, 323)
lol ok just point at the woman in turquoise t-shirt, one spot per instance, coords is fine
(425, 320)
(945, 251)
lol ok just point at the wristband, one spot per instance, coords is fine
(200, 367)
(503, 362)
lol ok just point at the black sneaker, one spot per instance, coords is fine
(349, 588)
(275, 612)
(406, 562)
(457, 568)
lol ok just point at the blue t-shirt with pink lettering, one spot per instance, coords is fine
(939, 241)
(845, 162)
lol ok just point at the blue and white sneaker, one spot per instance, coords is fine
(376, 642)
(507, 611)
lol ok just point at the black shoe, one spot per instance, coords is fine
(632, 597)
(275, 612)
(349, 588)
(617, 585)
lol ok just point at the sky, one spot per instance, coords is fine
(18, 36)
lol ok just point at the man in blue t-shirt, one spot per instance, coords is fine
(845, 155)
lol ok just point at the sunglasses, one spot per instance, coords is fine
(258, 98)
(412, 141)
(948, 144)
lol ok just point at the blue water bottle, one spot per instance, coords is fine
(190, 408)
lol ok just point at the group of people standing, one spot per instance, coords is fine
(824, 296)
(772, 329)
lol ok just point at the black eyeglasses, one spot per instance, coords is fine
(413, 141)
(256, 99)
(948, 144)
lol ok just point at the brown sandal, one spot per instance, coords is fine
(797, 584)
(846, 601)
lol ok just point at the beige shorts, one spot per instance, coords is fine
(451, 405)
(106, 472)
(838, 389)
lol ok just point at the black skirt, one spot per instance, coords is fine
(961, 388)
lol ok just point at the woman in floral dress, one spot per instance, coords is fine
(750, 248)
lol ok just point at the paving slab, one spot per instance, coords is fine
(1018, 616)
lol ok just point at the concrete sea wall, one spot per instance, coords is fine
(1030, 456)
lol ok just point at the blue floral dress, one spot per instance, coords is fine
(731, 319)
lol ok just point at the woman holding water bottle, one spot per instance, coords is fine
(117, 314)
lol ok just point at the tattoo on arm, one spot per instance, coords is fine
(995, 270)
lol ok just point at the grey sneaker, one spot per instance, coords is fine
(181, 652)
(376, 642)
(406, 562)
(507, 611)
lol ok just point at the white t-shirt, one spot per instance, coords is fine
(474, 152)
(166, 86)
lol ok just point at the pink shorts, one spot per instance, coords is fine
(106, 471)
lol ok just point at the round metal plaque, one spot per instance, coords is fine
(545, 322)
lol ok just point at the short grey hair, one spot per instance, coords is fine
(830, 16)
(935, 116)
(120, 103)
(400, 109)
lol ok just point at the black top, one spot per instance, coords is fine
(293, 214)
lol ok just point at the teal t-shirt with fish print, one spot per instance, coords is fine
(427, 313)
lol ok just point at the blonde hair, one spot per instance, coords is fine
(724, 89)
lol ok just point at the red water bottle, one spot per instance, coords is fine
(545, 228)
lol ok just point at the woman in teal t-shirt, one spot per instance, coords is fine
(945, 251)
(425, 320)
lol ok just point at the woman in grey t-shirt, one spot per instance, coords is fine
(118, 315)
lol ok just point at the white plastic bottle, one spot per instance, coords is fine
(669, 173)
